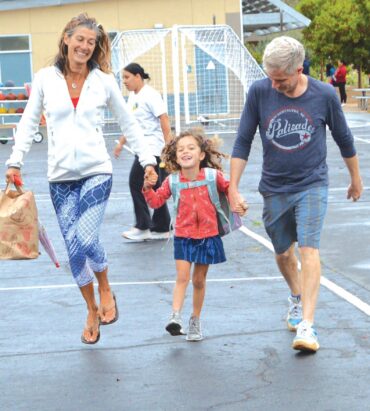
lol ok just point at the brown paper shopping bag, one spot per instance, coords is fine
(19, 237)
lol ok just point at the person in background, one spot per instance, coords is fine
(329, 72)
(306, 66)
(340, 77)
(292, 111)
(73, 94)
(149, 109)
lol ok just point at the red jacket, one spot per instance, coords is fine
(196, 215)
(340, 74)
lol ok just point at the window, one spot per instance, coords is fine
(14, 43)
(15, 59)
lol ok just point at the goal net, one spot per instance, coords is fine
(202, 72)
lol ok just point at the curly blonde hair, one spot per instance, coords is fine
(102, 52)
(213, 156)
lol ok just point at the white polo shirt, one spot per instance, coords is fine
(147, 105)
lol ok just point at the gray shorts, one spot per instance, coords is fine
(291, 217)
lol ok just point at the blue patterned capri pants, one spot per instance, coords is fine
(80, 207)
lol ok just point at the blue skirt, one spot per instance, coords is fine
(205, 251)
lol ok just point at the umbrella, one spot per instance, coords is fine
(47, 244)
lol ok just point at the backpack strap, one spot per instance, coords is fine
(211, 177)
(174, 181)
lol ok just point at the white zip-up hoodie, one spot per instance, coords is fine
(76, 146)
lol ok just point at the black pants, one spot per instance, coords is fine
(160, 221)
(342, 92)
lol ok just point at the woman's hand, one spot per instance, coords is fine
(13, 175)
(118, 148)
(150, 177)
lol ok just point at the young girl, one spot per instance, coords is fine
(196, 233)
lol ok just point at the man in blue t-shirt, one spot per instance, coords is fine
(291, 111)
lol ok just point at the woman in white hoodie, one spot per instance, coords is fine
(73, 94)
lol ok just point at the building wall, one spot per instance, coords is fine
(45, 24)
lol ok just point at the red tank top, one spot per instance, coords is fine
(74, 101)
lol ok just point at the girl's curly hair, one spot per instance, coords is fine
(210, 147)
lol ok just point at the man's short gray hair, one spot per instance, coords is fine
(283, 53)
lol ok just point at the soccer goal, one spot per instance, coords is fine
(202, 72)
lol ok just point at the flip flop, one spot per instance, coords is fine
(85, 341)
(113, 320)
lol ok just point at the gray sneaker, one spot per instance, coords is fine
(174, 326)
(194, 331)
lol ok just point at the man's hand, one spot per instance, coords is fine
(13, 175)
(356, 187)
(355, 190)
(237, 202)
(150, 177)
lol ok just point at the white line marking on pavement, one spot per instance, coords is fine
(116, 193)
(45, 198)
(357, 124)
(330, 285)
(362, 140)
(334, 288)
(209, 280)
(344, 188)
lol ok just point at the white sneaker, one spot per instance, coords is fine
(136, 234)
(306, 338)
(155, 235)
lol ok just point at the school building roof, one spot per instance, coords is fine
(29, 4)
(263, 17)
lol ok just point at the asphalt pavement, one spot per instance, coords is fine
(245, 361)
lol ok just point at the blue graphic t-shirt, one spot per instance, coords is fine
(293, 133)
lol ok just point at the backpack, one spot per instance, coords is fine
(226, 219)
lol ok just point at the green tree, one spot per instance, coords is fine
(338, 29)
